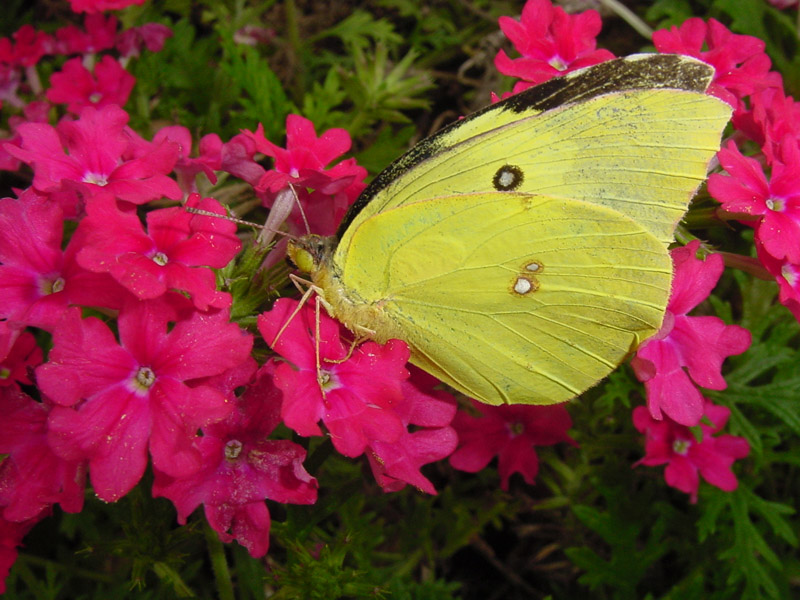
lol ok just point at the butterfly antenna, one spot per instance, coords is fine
(208, 213)
(300, 206)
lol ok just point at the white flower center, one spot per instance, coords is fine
(776, 204)
(233, 448)
(681, 447)
(95, 178)
(144, 379)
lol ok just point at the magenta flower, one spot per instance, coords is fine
(9, 85)
(510, 433)
(173, 254)
(11, 534)
(669, 443)
(746, 191)
(116, 399)
(783, 4)
(91, 153)
(78, 88)
(687, 350)
(772, 119)
(32, 477)
(38, 281)
(30, 46)
(430, 412)
(355, 397)
(34, 112)
(19, 354)
(187, 168)
(98, 34)
(551, 43)
(94, 6)
(302, 164)
(236, 158)
(242, 468)
(787, 275)
(150, 35)
(742, 67)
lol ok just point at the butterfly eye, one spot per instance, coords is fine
(507, 178)
(300, 257)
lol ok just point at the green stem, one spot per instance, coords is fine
(70, 569)
(295, 49)
(219, 564)
(629, 17)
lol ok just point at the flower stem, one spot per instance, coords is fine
(222, 574)
(629, 17)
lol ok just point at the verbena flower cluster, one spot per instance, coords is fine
(146, 366)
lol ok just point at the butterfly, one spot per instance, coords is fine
(522, 252)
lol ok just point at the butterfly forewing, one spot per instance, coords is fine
(641, 147)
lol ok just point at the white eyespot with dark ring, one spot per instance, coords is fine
(533, 267)
(508, 178)
(524, 285)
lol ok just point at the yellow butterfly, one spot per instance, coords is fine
(521, 252)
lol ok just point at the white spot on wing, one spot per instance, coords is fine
(522, 285)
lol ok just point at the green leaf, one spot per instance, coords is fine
(261, 94)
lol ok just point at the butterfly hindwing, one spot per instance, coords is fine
(511, 297)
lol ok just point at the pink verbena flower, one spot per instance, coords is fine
(773, 118)
(746, 191)
(93, 6)
(302, 164)
(30, 45)
(783, 4)
(19, 354)
(33, 112)
(787, 275)
(174, 253)
(32, 477)
(511, 433)
(742, 67)
(38, 281)
(11, 534)
(187, 168)
(117, 398)
(254, 35)
(98, 34)
(9, 85)
(687, 350)
(430, 412)
(236, 158)
(242, 468)
(78, 88)
(687, 458)
(353, 394)
(551, 43)
(152, 36)
(91, 153)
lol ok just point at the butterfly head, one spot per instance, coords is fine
(309, 252)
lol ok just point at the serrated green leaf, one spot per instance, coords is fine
(712, 508)
(771, 512)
